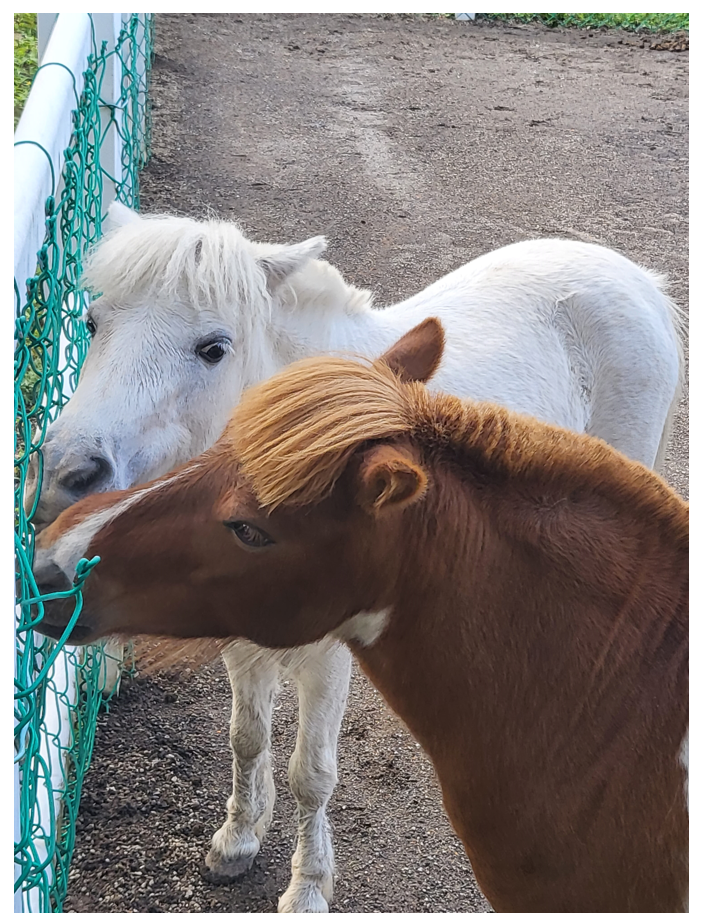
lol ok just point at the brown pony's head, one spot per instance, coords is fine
(286, 528)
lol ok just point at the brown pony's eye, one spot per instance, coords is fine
(249, 535)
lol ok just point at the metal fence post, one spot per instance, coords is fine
(107, 28)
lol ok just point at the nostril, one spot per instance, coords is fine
(51, 579)
(87, 477)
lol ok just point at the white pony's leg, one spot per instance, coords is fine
(253, 674)
(322, 680)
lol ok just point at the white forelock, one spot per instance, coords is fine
(210, 264)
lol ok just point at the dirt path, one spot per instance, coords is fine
(414, 144)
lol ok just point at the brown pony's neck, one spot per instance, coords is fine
(493, 445)
(538, 668)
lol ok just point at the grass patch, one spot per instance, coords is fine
(634, 22)
(25, 58)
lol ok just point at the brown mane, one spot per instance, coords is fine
(294, 435)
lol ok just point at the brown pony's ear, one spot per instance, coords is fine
(416, 356)
(389, 479)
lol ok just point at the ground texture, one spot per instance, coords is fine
(414, 144)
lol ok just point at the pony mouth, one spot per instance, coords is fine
(80, 635)
(58, 615)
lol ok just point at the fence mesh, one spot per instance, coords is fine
(58, 691)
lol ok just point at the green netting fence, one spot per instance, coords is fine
(58, 689)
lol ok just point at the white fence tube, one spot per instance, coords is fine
(46, 120)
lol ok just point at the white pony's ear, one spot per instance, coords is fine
(119, 215)
(285, 260)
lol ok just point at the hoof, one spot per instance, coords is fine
(305, 898)
(231, 854)
(221, 871)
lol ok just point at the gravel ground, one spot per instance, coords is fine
(415, 144)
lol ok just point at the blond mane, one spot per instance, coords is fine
(295, 433)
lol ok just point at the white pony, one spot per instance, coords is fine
(191, 313)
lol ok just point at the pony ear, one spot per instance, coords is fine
(389, 479)
(416, 356)
(281, 262)
(118, 215)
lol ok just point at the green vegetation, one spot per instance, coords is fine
(25, 58)
(635, 22)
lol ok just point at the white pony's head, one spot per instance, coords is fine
(186, 315)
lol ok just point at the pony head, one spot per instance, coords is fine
(183, 319)
(293, 513)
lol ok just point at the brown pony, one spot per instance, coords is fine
(517, 592)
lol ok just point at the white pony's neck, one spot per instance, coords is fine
(320, 311)
(320, 287)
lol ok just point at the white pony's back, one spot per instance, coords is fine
(570, 332)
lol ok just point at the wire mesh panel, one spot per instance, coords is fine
(58, 690)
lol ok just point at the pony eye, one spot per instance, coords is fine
(249, 535)
(92, 326)
(213, 351)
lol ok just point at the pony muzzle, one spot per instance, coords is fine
(58, 611)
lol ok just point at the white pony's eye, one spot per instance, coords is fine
(214, 350)
(91, 325)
